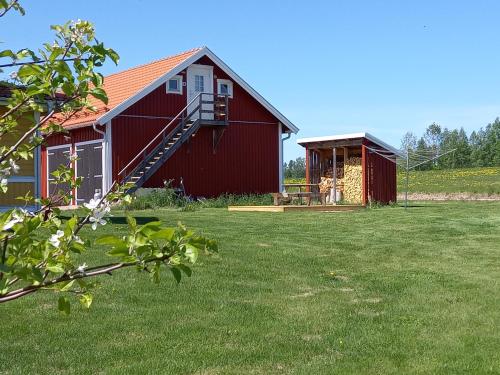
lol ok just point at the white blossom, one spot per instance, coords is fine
(73, 156)
(77, 239)
(55, 239)
(99, 210)
(13, 166)
(93, 204)
(13, 75)
(98, 216)
(82, 268)
(15, 218)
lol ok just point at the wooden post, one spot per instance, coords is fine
(346, 155)
(334, 175)
(308, 164)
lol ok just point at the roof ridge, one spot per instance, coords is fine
(155, 61)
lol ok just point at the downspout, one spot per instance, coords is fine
(97, 130)
(288, 135)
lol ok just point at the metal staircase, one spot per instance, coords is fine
(199, 112)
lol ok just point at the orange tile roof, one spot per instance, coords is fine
(122, 85)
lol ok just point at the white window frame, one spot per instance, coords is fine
(227, 82)
(179, 80)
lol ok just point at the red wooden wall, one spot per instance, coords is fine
(379, 177)
(245, 161)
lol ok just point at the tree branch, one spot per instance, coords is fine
(9, 7)
(33, 129)
(41, 62)
(95, 271)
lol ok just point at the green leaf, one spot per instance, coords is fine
(86, 300)
(164, 234)
(113, 55)
(4, 268)
(109, 240)
(77, 247)
(177, 274)
(7, 53)
(121, 251)
(68, 286)
(191, 253)
(119, 247)
(56, 268)
(64, 306)
(150, 228)
(185, 269)
(3, 286)
(27, 71)
(132, 223)
(100, 94)
(70, 225)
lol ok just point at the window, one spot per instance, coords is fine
(225, 87)
(199, 83)
(174, 85)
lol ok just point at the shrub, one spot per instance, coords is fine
(168, 198)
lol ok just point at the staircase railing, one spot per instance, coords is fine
(182, 118)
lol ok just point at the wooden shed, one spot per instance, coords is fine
(365, 167)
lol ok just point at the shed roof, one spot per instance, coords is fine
(351, 136)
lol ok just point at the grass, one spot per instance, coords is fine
(463, 180)
(379, 291)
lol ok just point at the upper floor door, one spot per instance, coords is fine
(200, 79)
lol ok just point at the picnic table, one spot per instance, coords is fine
(287, 197)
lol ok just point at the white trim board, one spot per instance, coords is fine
(103, 163)
(182, 66)
(304, 141)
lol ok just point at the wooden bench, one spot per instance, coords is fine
(280, 198)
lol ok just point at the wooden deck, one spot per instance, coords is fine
(291, 208)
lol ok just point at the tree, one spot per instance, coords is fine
(38, 249)
(433, 136)
(295, 168)
(481, 149)
(409, 141)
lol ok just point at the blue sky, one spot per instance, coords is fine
(331, 67)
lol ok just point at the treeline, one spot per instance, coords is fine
(480, 149)
(295, 168)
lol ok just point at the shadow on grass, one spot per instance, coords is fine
(141, 220)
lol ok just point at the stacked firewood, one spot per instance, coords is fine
(352, 180)
(326, 184)
(340, 171)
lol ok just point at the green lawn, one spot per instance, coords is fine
(379, 291)
(463, 180)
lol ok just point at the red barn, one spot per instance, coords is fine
(188, 117)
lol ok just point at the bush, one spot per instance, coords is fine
(168, 198)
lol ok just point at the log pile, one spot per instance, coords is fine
(340, 171)
(352, 180)
(326, 184)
